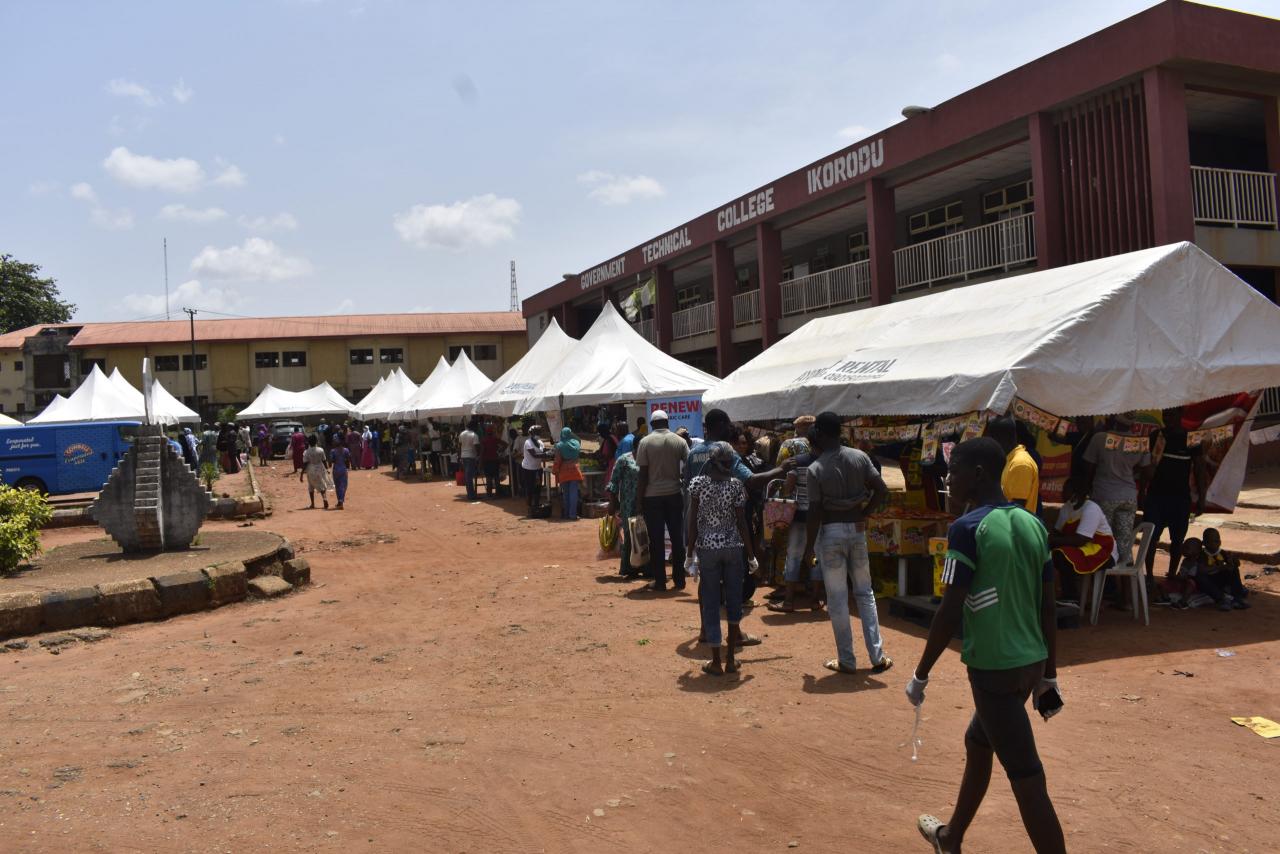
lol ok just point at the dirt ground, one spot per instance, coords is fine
(459, 679)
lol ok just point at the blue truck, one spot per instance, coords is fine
(63, 458)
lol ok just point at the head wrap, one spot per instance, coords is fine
(569, 446)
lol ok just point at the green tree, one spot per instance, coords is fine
(26, 299)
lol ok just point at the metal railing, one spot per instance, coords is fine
(998, 246)
(837, 286)
(746, 308)
(647, 329)
(1270, 405)
(1233, 197)
(698, 320)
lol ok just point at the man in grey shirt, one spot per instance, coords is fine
(660, 455)
(843, 488)
(1114, 462)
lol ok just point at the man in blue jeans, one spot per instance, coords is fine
(843, 487)
(661, 455)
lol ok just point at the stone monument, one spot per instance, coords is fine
(153, 501)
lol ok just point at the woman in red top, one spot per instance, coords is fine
(490, 453)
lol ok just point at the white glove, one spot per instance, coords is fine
(753, 564)
(1047, 686)
(915, 690)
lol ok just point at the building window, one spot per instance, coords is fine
(295, 359)
(360, 394)
(688, 298)
(486, 352)
(457, 350)
(391, 356)
(266, 360)
(858, 248)
(17, 366)
(1010, 201)
(936, 222)
(788, 269)
(362, 357)
(199, 404)
(202, 362)
(166, 363)
(22, 407)
(86, 366)
(1, 407)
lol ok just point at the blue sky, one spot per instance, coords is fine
(330, 156)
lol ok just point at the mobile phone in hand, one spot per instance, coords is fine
(1049, 704)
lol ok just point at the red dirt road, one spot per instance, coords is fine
(461, 680)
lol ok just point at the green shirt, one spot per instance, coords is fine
(1001, 555)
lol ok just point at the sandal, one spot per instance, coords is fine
(713, 668)
(929, 826)
(834, 664)
(781, 607)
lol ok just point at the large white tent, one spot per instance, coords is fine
(544, 357)
(449, 399)
(97, 399)
(6, 421)
(407, 410)
(390, 392)
(613, 364)
(165, 408)
(273, 402)
(1160, 327)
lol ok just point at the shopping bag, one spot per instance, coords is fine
(779, 512)
(608, 534)
(639, 541)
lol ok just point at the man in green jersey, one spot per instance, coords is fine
(999, 580)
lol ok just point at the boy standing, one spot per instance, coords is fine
(1000, 582)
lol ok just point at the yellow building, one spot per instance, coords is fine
(236, 358)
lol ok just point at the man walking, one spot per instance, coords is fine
(999, 580)
(469, 452)
(843, 487)
(660, 455)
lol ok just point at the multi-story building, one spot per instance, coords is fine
(234, 359)
(1158, 129)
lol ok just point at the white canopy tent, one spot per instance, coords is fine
(97, 399)
(165, 408)
(613, 364)
(6, 421)
(390, 392)
(1161, 327)
(462, 382)
(273, 402)
(544, 357)
(406, 410)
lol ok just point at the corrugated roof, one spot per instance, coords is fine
(264, 328)
(15, 339)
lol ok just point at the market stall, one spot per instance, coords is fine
(96, 399)
(165, 408)
(504, 396)
(390, 392)
(406, 409)
(273, 402)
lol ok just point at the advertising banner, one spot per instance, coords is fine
(682, 411)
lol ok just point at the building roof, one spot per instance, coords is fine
(266, 328)
(1171, 33)
(15, 339)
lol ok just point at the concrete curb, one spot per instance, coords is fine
(138, 600)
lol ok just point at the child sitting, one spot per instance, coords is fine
(1081, 540)
(1215, 574)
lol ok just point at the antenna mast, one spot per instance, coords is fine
(166, 278)
(515, 296)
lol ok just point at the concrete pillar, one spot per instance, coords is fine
(569, 320)
(1046, 177)
(769, 263)
(1169, 153)
(664, 303)
(723, 284)
(1271, 126)
(880, 223)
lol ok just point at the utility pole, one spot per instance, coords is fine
(195, 397)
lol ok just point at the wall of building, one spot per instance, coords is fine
(13, 393)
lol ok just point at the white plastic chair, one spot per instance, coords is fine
(1136, 570)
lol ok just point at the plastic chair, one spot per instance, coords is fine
(1136, 570)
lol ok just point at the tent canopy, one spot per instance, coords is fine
(273, 402)
(449, 399)
(545, 356)
(6, 421)
(390, 392)
(165, 408)
(1161, 327)
(611, 364)
(406, 410)
(97, 399)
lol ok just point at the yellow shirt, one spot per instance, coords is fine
(1021, 479)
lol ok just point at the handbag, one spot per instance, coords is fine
(608, 534)
(779, 512)
(639, 540)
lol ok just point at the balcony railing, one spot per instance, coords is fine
(698, 320)
(647, 330)
(1233, 197)
(999, 246)
(746, 308)
(837, 286)
(1270, 405)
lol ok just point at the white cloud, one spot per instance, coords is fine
(853, 133)
(189, 294)
(84, 192)
(182, 92)
(179, 175)
(254, 260)
(230, 176)
(122, 88)
(610, 189)
(117, 220)
(182, 213)
(478, 221)
(283, 221)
